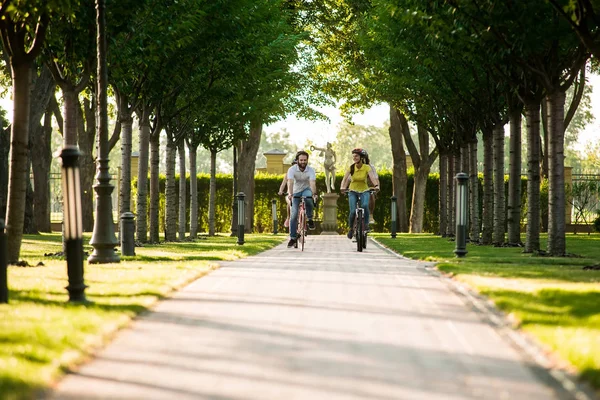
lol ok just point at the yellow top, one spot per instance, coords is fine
(358, 181)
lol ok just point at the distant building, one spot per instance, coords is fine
(275, 164)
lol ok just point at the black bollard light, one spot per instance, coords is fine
(3, 265)
(72, 220)
(127, 234)
(241, 210)
(394, 212)
(274, 212)
(461, 214)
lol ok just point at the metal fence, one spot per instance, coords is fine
(56, 196)
(584, 197)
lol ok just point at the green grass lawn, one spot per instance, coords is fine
(42, 335)
(551, 298)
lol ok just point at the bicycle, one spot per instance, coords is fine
(302, 229)
(359, 227)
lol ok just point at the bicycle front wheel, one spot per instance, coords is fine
(359, 230)
(301, 228)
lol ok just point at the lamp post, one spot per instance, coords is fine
(103, 239)
(274, 212)
(394, 212)
(3, 265)
(461, 214)
(241, 213)
(72, 221)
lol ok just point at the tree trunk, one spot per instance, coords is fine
(544, 156)
(29, 225)
(17, 174)
(454, 187)
(87, 161)
(514, 179)
(532, 115)
(42, 87)
(126, 138)
(418, 200)
(450, 196)
(41, 156)
(212, 193)
(69, 116)
(499, 198)
(154, 185)
(422, 163)
(4, 152)
(69, 129)
(22, 49)
(234, 191)
(193, 191)
(246, 166)
(474, 193)
(443, 195)
(556, 174)
(142, 183)
(399, 178)
(170, 194)
(464, 168)
(544, 143)
(488, 187)
(464, 158)
(182, 189)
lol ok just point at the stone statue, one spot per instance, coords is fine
(329, 164)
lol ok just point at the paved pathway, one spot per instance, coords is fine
(326, 323)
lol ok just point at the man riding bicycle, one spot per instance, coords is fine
(357, 175)
(301, 181)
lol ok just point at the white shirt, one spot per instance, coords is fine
(301, 178)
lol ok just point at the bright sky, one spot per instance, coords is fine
(591, 133)
(321, 132)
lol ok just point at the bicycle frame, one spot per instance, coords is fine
(302, 229)
(360, 233)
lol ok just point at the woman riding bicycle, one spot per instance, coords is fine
(357, 174)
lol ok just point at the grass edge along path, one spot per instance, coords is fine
(42, 336)
(552, 299)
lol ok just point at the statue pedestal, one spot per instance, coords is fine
(329, 224)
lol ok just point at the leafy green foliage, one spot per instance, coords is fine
(69, 43)
(376, 140)
(276, 140)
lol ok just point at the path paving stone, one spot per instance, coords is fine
(326, 323)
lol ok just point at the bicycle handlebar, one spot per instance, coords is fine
(297, 197)
(370, 190)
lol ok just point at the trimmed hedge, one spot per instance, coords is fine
(267, 185)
